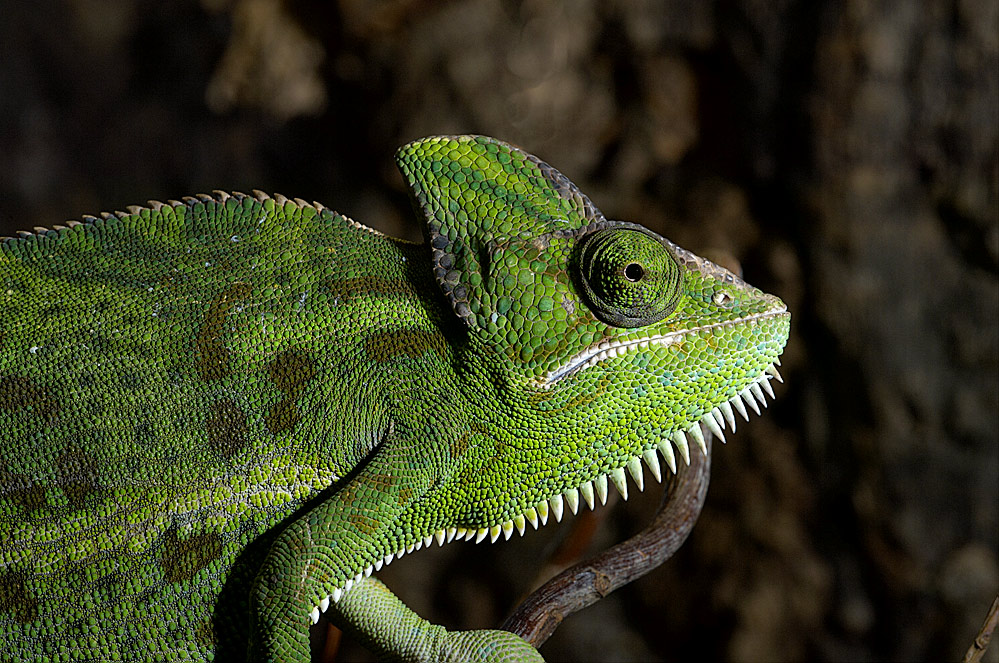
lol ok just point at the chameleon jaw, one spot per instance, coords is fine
(595, 489)
(595, 354)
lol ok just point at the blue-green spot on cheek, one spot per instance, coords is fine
(641, 360)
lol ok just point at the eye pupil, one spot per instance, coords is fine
(634, 272)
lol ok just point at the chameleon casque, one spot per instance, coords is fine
(218, 416)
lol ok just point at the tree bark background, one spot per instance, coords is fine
(844, 153)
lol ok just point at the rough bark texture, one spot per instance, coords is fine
(845, 153)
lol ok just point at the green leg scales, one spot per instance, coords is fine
(386, 626)
(328, 549)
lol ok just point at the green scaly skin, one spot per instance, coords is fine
(218, 416)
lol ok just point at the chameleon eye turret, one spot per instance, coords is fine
(629, 277)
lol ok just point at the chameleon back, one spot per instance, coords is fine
(160, 407)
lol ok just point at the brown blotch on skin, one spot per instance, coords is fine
(15, 599)
(211, 356)
(380, 481)
(181, 558)
(22, 490)
(226, 428)
(204, 634)
(291, 371)
(377, 481)
(364, 524)
(167, 283)
(77, 474)
(374, 286)
(460, 445)
(403, 343)
(18, 393)
(346, 494)
(282, 417)
(404, 496)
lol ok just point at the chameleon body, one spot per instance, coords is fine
(219, 415)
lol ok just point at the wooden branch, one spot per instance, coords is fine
(582, 585)
(977, 649)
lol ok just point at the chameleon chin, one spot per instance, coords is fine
(219, 416)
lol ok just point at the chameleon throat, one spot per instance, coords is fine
(715, 421)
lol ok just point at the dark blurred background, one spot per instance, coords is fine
(844, 153)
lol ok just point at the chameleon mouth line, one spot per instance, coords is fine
(605, 349)
(753, 395)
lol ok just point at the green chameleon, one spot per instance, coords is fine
(219, 416)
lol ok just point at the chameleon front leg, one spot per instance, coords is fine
(386, 626)
(315, 556)
(376, 513)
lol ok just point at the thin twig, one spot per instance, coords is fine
(579, 586)
(977, 649)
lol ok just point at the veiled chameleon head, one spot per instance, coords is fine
(611, 341)
(538, 273)
(591, 345)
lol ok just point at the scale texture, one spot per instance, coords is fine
(219, 416)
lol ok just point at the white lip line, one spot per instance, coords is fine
(593, 490)
(595, 354)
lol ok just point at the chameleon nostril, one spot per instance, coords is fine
(722, 298)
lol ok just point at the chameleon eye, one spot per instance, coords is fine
(629, 277)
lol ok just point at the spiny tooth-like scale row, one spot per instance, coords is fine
(596, 489)
(754, 395)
